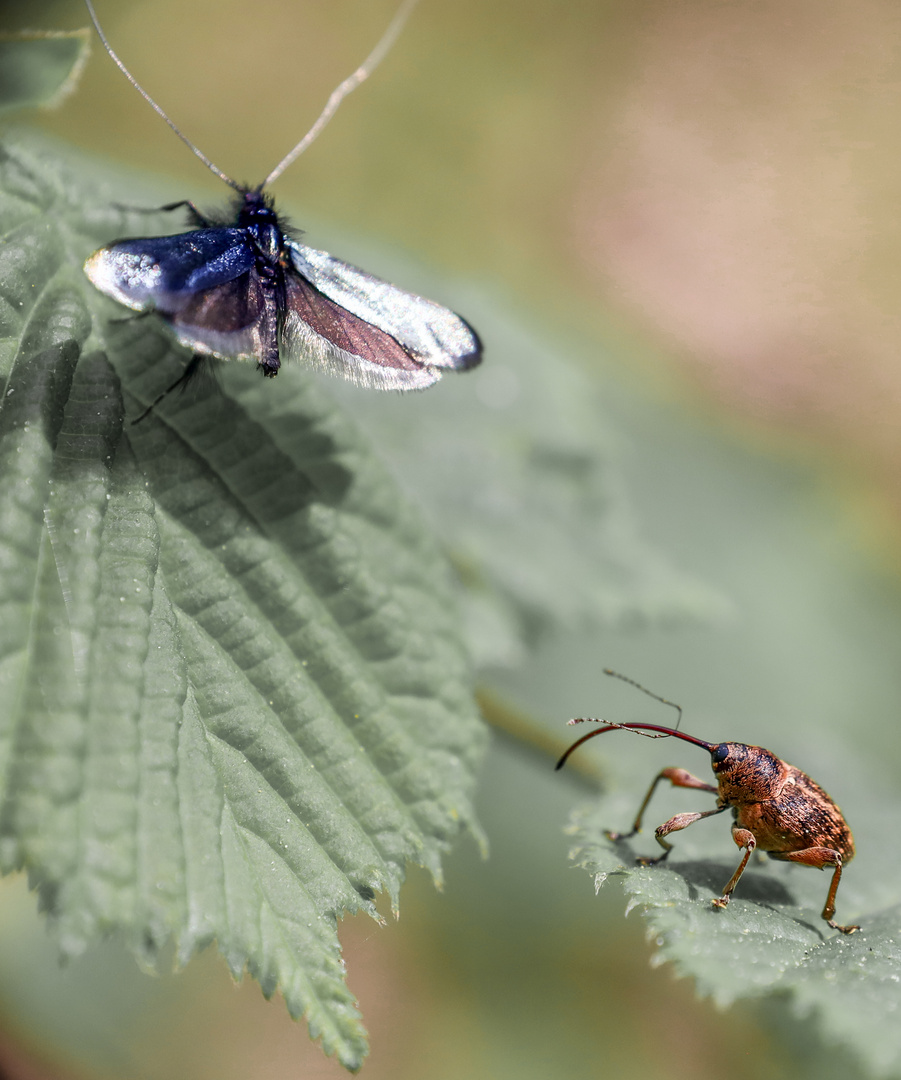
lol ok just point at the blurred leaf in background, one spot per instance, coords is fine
(40, 68)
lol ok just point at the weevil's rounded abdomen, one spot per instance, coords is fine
(802, 817)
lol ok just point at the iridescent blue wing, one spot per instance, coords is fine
(204, 283)
(367, 330)
(163, 272)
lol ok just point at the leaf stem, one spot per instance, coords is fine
(533, 738)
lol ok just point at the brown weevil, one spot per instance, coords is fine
(776, 808)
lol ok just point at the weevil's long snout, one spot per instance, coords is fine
(639, 729)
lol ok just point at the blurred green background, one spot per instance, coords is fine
(696, 203)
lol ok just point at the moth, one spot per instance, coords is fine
(241, 287)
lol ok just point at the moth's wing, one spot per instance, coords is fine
(368, 330)
(164, 273)
(318, 330)
(236, 320)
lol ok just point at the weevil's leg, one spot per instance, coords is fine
(678, 778)
(675, 824)
(820, 857)
(744, 839)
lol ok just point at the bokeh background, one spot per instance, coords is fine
(695, 203)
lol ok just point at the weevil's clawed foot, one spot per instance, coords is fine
(843, 929)
(611, 835)
(720, 901)
(646, 860)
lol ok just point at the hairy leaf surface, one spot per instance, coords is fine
(233, 697)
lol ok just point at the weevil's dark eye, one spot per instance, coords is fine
(719, 754)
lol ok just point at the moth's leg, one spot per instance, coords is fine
(199, 219)
(190, 371)
(131, 318)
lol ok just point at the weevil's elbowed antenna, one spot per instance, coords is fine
(644, 690)
(359, 76)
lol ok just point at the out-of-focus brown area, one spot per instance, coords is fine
(743, 201)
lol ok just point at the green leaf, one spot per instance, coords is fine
(233, 697)
(40, 67)
(771, 939)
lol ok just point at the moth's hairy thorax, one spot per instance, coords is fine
(257, 215)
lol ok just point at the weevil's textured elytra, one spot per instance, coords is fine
(775, 807)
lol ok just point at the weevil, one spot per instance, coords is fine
(775, 807)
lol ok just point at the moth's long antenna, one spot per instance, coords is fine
(350, 83)
(140, 89)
